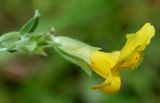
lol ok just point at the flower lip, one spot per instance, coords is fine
(137, 42)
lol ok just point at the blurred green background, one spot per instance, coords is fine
(102, 23)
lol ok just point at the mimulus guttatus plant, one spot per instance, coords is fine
(107, 65)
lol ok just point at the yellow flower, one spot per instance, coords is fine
(108, 65)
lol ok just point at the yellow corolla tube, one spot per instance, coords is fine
(109, 65)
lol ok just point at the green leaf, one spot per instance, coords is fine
(9, 46)
(75, 60)
(9, 40)
(10, 37)
(31, 25)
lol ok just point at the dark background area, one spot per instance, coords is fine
(102, 23)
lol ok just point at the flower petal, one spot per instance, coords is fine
(110, 85)
(136, 43)
(102, 63)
